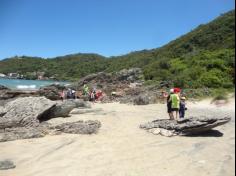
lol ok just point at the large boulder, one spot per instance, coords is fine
(26, 118)
(25, 112)
(185, 126)
(63, 109)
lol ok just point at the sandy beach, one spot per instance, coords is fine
(121, 148)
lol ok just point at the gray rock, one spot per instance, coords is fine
(25, 112)
(80, 127)
(141, 100)
(187, 126)
(155, 131)
(3, 87)
(51, 92)
(24, 118)
(6, 164)
(167, 133)
(7, 94)
(12, 134)
(2, 111)
(63, 109)
(130, 75)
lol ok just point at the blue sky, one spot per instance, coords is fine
(49, 28)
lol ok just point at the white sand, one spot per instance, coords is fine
(122, 149)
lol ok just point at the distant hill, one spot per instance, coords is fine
(204, 57)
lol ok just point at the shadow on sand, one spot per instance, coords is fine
(210, 133)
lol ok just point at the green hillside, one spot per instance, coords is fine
(204, 57)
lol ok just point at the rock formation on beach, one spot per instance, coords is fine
(125, 86)
(27, 117)
(25, 112)
(188, 126)
(6, 164)
(51, 92)
(80, 127)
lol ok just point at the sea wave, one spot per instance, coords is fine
(26, 86)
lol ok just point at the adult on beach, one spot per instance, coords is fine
(169, 104)
(175, 103)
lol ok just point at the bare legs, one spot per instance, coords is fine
(171, 115)
(174, 115)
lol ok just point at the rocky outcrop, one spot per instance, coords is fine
(125, 86)
(7, 94)
(27, 117)
(63, 109)
(184, 127)
(102, 78)
(131, 75)
(25, 112)
(30, 111)
(80, 127)
(51, 92)
(6, 164)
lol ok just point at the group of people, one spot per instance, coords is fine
(93, 94)
(90, 94)
(68, 94)
(176, 105)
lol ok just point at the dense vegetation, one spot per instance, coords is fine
(205, 57)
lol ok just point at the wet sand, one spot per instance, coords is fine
(122, 149)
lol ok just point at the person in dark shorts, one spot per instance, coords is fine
(175, 103)
(169, 103)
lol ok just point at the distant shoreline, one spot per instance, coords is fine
(23, 84)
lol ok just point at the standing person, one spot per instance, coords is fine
(99, 95)
(182, 107)
(92, 96)
(169, 103)
(69, 93)
(73, 94)
(175, 103)
(85, 90)
(62, 95)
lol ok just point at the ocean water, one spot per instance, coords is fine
(27, 84)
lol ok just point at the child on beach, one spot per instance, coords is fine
(182, 107)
